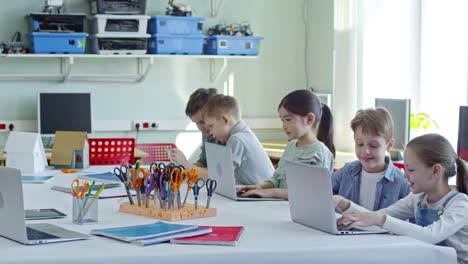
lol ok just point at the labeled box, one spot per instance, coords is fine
(176, 44)
(175, 25)
(58, 43)
(232, 45)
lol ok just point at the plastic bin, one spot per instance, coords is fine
(111, 151)
(119, 44)
(118, 6)
(67, 43)
(175, 25)
(41, 22)
(136, 24)
(232, 45)
(176, 44)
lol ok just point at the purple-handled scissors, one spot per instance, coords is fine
(163, 184)
(149, 183)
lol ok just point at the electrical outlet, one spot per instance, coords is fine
(145, 125)
(3, 126)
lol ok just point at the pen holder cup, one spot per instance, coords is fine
(85, 210)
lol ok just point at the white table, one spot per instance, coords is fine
(270, 237)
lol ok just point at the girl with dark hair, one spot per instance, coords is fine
(303, 118)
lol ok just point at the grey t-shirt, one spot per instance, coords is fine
(315, 154)
(252, 164)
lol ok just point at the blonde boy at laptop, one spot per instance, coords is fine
(371, 181)
(223, 119)
(303, 118)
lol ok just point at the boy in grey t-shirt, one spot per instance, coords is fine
(222, 117)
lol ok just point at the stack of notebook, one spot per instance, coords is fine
(151, 234)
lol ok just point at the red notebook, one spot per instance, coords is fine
(220, 235)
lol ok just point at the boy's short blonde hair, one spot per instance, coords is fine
(375, 121)
(220, 105)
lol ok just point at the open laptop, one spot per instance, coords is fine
(220, 168)
(311, 200)
(13, 216)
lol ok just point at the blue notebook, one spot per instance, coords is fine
(35, 179)
(166, 238)
(130, 233)
(106, 177)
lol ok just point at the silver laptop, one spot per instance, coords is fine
(220, 168)
(311, 200)
(13, 217)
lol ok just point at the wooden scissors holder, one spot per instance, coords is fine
(188, 212)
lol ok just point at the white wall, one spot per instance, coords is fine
(258, 84)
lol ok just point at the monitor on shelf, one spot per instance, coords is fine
(462, 145)
(400, 109)
(64, 112)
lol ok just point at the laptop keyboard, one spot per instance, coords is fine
(343, 228)
(240, 195)
(34, 234)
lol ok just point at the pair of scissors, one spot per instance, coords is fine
(121, 173)
(210, 187)
(155, 171)
(80, 189)
(149, 184)
(155, 167)
(136, 181)
(178, 176)
(196, 186)
(194, 176)
(163, 185)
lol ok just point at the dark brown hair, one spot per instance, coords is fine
(220, 105)
(198, 99)
(435, 149)
(303, 102)
(377, 122)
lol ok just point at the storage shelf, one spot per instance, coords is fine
(68, 60)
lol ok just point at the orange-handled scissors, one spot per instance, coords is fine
(191, 179)
(178, 176)
(142, 173)
(136, 181)
(79, 190)
(193, 174)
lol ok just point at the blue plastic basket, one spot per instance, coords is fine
(175, 25)
(176, 44)
(68, 43)
(232, 45)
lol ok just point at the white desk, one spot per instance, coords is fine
(269, 237)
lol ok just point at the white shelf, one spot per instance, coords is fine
(66, 62)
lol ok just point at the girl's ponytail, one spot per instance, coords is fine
(462, 176)
(325, 129)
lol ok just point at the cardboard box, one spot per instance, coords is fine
(70, 150)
